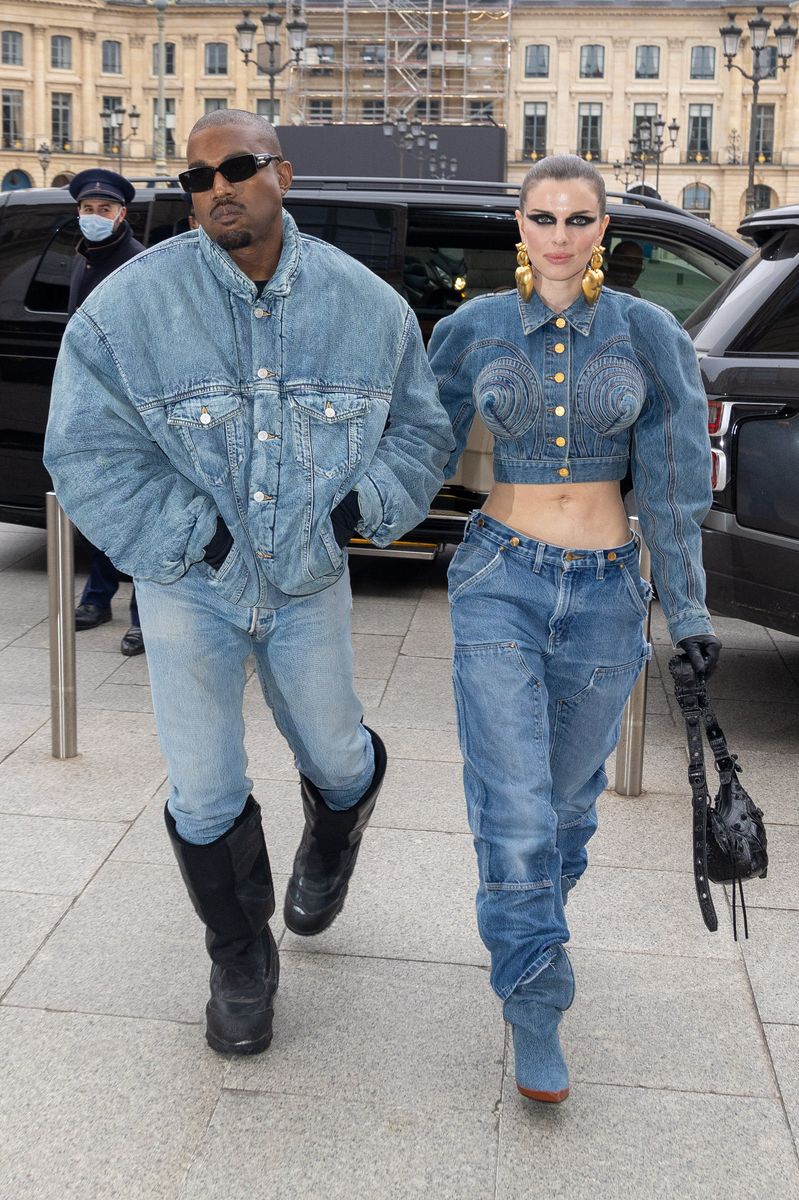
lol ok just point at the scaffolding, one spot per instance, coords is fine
(440, 61)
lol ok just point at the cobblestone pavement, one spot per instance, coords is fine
(389, 1075)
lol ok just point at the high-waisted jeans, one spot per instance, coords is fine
(548, 645)
(197, 647)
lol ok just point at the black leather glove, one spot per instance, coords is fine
(219, 546)
(702, 651)
(345, 517)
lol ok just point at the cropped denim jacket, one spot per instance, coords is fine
(578, 396)
(181, 394)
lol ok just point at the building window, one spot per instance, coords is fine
(703, 62)
(768, 62)
(374, 54)
(216, 58)
(641, 113)
(61, 120)
(479, 110)
(169, 120)
(169, 58)
(700, 128)
(589, 130)
(214, 103)
(61, 53)
(764, 133)
(112, 58)
(12, 119)
(696, 199)
(592, 62)
(110, 103)
(647, 62)
(536, 62)
(764, 197)
(326, 52)
(428, 109)
(264, 108)
(320, 112)
(12, 48)
(373, 110)
(535, 131)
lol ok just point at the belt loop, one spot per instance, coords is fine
(600, 564)
(539, 557)
(467, 527)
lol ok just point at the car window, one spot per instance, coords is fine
(776, 330)
(452, 257)
(370, 233)
(675, 276)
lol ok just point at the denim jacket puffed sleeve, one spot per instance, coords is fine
(670, 460)
(111, 478)
(449, 358)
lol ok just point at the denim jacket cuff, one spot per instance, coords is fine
(689, 623)
(370, 503)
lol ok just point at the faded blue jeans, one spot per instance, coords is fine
(548, 645)
(197, 646)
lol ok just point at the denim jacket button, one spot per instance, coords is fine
(559, 377)
(560, 411)
(558, 347)
(561, 322)
(263, 373)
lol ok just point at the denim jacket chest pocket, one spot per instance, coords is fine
(328, 430)
(211, 430)
(610, 393)
(508, 397)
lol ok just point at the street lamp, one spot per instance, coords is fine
(648, 144)
(420, 140)
(160, 107)
(43, 155)
(266, 55)
(112, 121)
(731, 41)
(627, 172)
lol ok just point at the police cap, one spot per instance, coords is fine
(96, 182)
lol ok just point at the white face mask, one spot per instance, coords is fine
(96, 229)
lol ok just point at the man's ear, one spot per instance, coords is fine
(123, 212)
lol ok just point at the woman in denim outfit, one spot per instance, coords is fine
(576, 383)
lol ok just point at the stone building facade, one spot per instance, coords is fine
(561, 77)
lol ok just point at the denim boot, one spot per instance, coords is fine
(326, 855)
(229, 882)
(534, 1010)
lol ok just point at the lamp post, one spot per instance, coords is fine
(267, 52)
(160, 106)
(441, 167)
(43, 155)
(627, 172)
(648, 144)
(413, 136)
(113, 120)
(759, 28)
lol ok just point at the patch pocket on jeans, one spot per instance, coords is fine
(470, 565)
(209, 428)
(640, 592)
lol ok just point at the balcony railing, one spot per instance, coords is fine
(530, 155)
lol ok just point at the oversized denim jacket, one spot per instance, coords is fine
(180, 395)
(578, 396)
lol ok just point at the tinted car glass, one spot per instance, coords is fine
(24, 230)
(49, 288)
(370, 234)
(778, 330)
(676, 277)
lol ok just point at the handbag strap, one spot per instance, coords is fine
(690, 694)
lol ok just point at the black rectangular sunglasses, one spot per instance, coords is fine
(234, 170)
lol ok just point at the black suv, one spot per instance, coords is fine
(437, 243)
(747, 337)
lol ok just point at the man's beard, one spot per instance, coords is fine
(234, 239)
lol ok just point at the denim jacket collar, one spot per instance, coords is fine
(535, 313)
(231, 277)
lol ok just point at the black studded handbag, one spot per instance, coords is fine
(729, 837)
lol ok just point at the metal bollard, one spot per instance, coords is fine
(61, 595)
(630, 750)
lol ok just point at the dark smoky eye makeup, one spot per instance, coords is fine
(545, 218)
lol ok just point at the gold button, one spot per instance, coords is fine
(560, 411)
(563, 471)
(569, 557)
(559, 347)
(560, 441)
(612, 556)
(480, 523)
(514, 541)
(558, 377)
(561, 323)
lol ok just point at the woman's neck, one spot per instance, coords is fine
(556, 295)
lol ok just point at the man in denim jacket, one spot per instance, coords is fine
(227, 409)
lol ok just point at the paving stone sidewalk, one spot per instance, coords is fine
(389, 1077)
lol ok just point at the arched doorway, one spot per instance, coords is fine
(696, 199)
(14, 181)
(765, 197)
(62, 179)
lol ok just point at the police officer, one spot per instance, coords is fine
(108, 242)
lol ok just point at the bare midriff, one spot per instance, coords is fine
(580, 516)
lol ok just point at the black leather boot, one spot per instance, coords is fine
(326, 856)
(230, 885)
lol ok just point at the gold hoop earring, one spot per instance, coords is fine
(593, 277)
(524, 272)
